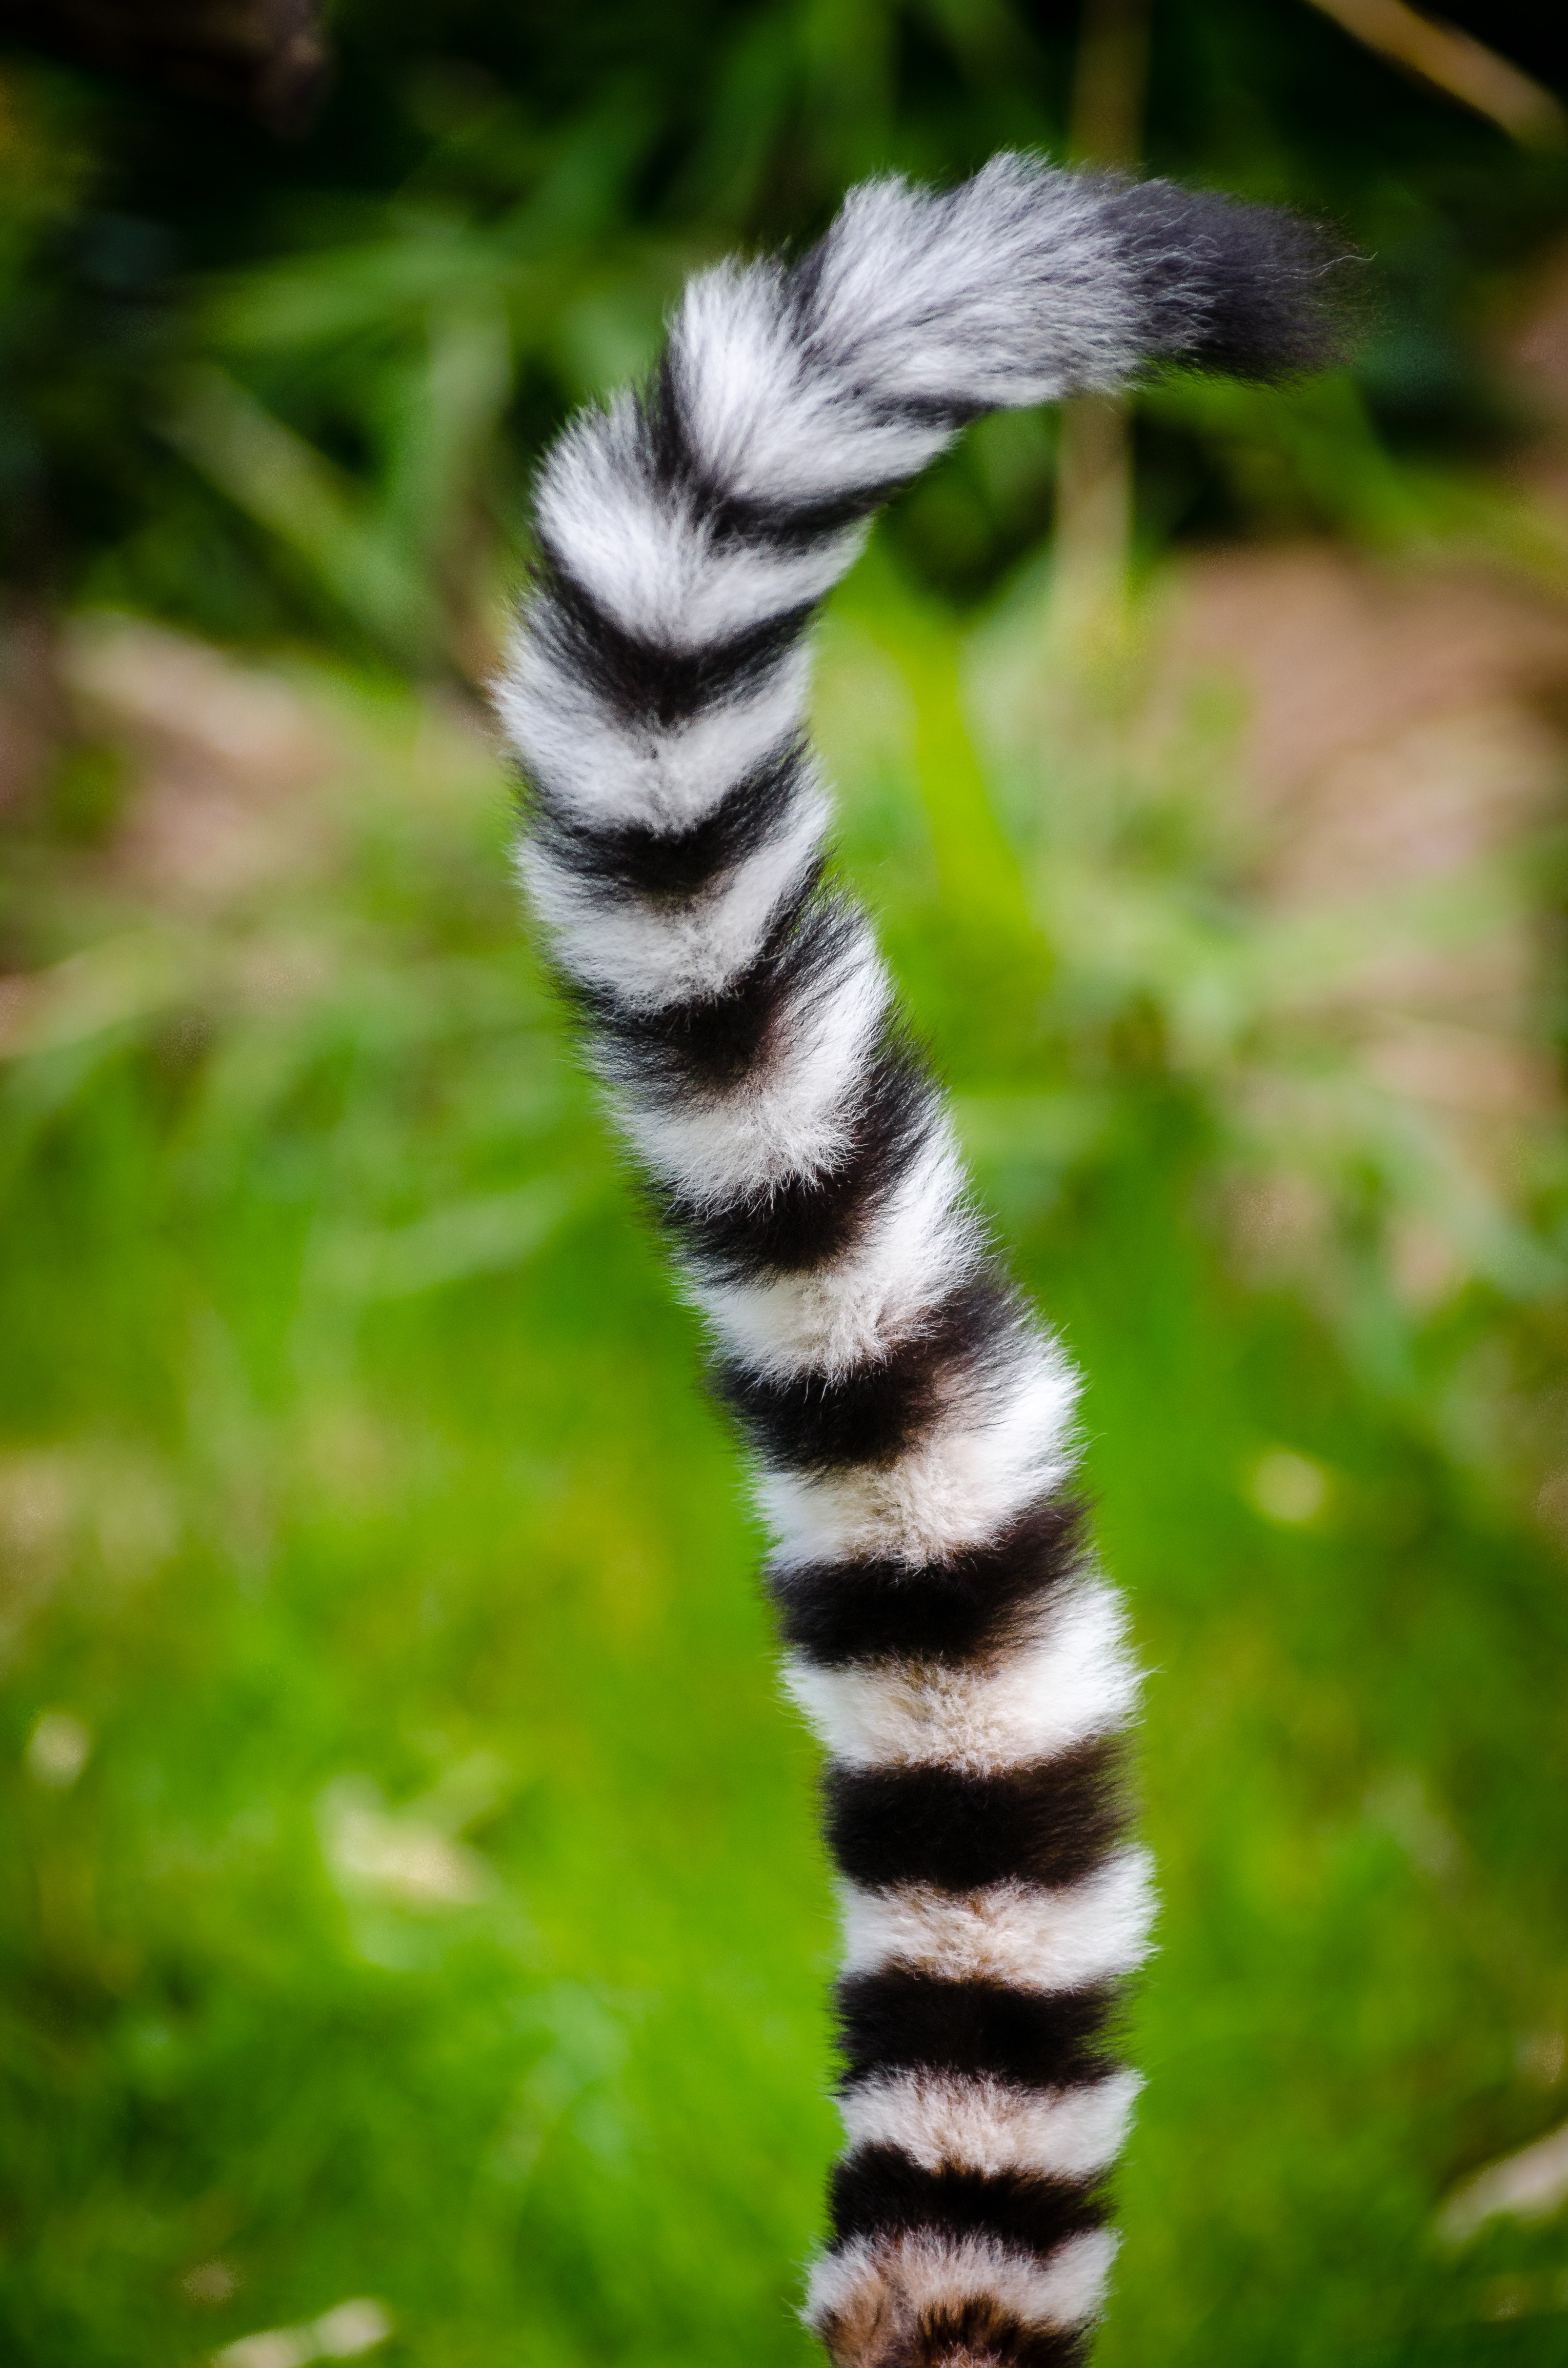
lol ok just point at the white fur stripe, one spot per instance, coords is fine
(1016, 1933)
(1072, 1678)
(792, 1116)
(610, 772)
(649, 559)
(990, 2127)
(1011, 286)
(773, 423)
(651, 952)
(920, 1243)
(1004, 1441)
(924, 2272)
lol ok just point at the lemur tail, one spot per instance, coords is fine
(910, 1420)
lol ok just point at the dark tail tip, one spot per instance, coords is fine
(1250, 291)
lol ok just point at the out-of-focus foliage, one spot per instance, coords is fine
(272, 390)
(418, 1897)
(416, 1894)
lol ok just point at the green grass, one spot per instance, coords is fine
(439, 1915)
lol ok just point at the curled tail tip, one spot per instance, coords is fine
(1032, 279)
(1222, 284)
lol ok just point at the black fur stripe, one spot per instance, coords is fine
(812, 1219)
(839, 1613)
(975, 2334)
(979, 2331)
(679, 863)
(715, 1042)
(879, 2189)
(759, 524)
(871, 1413)
(1050, 1823)
(782, 525)
(903, 2019)
(642, 681)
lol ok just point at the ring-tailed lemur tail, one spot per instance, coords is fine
(910, 1420)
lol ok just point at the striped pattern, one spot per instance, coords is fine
(910, 1421)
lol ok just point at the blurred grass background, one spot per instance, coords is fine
(413, 1890)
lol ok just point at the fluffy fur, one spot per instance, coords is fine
(910, 1420)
